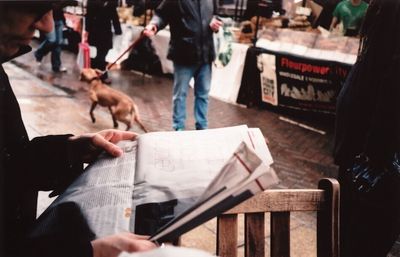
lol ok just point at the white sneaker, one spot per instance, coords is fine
(61, 69)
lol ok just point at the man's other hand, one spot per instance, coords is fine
(112, 246)
(215, 24)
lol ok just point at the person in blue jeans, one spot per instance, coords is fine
(191, 49)
(53, 42)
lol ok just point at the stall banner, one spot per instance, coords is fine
(301, 83)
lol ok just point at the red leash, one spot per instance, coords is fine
(132, 46)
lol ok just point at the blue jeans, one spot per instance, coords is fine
(202, 80)
(52, 43)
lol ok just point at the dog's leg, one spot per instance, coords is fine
(115, 123)
(138, 121)
(94, 104)
(136, 117)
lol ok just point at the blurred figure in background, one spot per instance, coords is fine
(351, 13)
(53, 40)
(101, 19)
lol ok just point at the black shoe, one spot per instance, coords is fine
(37, 59)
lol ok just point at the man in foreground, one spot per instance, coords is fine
(44, 163)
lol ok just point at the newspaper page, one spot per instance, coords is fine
(103, 192)
(163, 173)
(242, 176)
(174, 168)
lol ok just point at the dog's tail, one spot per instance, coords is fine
(136, 117)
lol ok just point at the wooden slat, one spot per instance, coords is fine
(254, 235)
(280, 234)
(328, 220)
(227, 233)
(282, 200)
(280, 203)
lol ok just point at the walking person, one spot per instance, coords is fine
(368, 126)
(53, 41)
(47, 162)
(101, 20)
(191, 49)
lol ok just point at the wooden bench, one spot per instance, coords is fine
(324, 200)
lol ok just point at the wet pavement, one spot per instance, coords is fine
(58, 103)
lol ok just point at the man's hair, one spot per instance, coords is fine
(39, 7)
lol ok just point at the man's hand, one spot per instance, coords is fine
(112, 246)
(215, 24)
(88, 146)
(150, 30)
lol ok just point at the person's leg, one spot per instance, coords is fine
(99, 62)
(46, 46)
(56, 52)
(202, 85)
(182, 76)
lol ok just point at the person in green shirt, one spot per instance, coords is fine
(351, 13)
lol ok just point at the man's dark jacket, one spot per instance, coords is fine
(191, 36)
(100, 15)
(27, 166)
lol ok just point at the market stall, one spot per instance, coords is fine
(291, 65)
(296, 69)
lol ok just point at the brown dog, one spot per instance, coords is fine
(121, 106)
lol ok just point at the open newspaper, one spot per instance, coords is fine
(181, 179)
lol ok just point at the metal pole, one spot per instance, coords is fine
(256, 32)
(241, 9)
(236, 10)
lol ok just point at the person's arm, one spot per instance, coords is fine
(215, 7)
(72, 246)
(114, 18)
(112, 246)
(334, 23)
(160, 18)
(335, 17)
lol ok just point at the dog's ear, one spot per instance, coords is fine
(98, 72)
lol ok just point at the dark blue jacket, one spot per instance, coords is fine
(191, 36)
